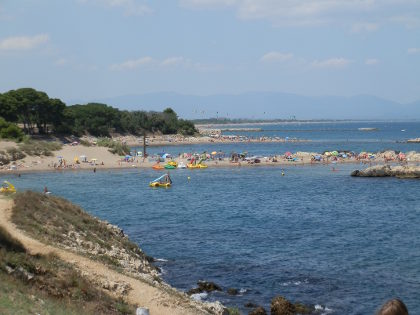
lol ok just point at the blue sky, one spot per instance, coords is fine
(90, 49)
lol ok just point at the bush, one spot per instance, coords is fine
(10, 131)
(8, 243)
(115, 147)
(15, 154)
(39, 148)
(4, 158)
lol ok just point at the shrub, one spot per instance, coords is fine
(115, 147)
(8, 243)
(39, 148)
(15, 154)
(10, 131)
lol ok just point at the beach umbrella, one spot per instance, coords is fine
(334, 153)
(288, 153)
(214, 153)
(128, 156)
(59, 157)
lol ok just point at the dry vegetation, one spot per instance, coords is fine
(56, 221)
(45, 284)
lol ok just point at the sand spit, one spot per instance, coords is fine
(99, 158)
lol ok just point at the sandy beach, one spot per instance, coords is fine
(79, 157)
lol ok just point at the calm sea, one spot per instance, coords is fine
(313, 235)
(323, 137)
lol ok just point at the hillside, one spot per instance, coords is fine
(52, 251)
(270, 105)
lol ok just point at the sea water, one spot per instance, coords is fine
(316, 236)
(322, 136)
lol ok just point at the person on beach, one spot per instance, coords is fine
(393, 307)
(45, 190)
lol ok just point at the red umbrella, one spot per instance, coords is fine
(288, 153)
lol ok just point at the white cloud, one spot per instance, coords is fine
(408, 21)
(333, 63)
(132, 64)
(412, 51)
(364, 27)
(275, 56)
(23, 42)
(130, 7)
(310, 12)
(61, 62)
(371, 62)
(173, 61)
(209, 4)
(165, 64)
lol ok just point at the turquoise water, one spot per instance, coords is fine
(313, 235)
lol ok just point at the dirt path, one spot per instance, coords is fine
(157, 300)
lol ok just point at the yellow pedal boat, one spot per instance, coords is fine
(157, 184)
(197, 165)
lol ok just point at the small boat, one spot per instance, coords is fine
(197, 165)
(163, 181)
(7, 188)
(173, 163)
(181, 165)
(157, 184)
(158, 167)
(169, 167)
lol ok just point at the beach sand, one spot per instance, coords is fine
(108, 160)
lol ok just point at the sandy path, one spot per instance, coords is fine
(157, 300)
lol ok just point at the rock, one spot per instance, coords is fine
(142, 311)
(386, 170)
(204, 286)
(302, 309)
(250, 305)
(281, 306)
(232, 291)
(9, 269)
(258, 311)
(25, 274)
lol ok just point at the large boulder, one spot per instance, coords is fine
(204, 286)
(258, 311)
(386, 170)
(281, 306)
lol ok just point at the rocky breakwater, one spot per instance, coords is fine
(415, 140)
(405, 171)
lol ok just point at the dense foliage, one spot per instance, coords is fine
(40, 114)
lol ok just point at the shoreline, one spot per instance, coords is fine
(142, 290)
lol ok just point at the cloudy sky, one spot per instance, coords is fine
(87, 49)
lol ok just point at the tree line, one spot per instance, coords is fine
(38, 113)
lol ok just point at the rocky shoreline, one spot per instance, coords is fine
(406, 171)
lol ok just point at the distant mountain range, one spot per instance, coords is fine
(268, 105)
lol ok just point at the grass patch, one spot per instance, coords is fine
(55, 220)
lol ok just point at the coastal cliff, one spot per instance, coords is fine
(389, 171)
(56, 253)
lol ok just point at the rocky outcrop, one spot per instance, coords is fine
(204, 286)
(258, 311)
(281, 306)
(388, 171)
(416, 140)
(232, 291)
